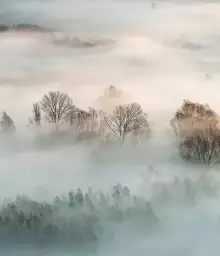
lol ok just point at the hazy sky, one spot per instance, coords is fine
(156, 51)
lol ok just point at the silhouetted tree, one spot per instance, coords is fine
(125, 119)
(56, 106)
(111, 97)
(71, 199)
(79, 196)
(36, 115)
(112, 92)
(7, 124)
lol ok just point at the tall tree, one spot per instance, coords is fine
(83, 120)
(36, 115)
(7, 124)
(94, 120)
(56, 106)
(126, 119)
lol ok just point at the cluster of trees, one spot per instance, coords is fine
(197, 129)
(184, 191)
(122, 122)
(196, 125)
(76, 218)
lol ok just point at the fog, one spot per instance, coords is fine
(158, 55)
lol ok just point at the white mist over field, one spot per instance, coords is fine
(160, 54)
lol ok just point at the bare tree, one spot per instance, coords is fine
(203, 146)
(36, 115)
(125, 119)
(7, 123)
(56, 106)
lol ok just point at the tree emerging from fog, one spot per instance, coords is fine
(71, 116)
(196, 127)
(75, 219)
(126, 119)
(36, 115)
(7, 124)
(56, 106)
(191, 116)
(203, 146)
(111, 97)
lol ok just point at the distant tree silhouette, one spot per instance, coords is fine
(112, 92)
(7, 124)
(111, 97)
(36, 115)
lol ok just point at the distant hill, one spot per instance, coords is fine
(21, 27)
(26, 26)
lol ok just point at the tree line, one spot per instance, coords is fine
(57, 109)
(20, 27)
(195, 125)
(77, 218)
